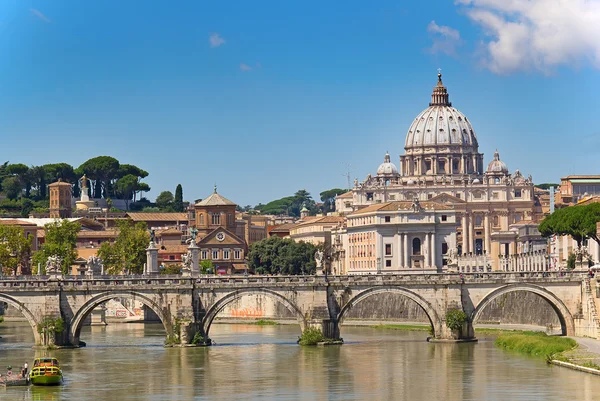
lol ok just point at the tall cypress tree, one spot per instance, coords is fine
(178, 202)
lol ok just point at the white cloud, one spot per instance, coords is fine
(245, 67)
(39, 14)
(537, 34)
(445, 39)
(216, 40)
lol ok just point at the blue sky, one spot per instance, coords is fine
(265, 98)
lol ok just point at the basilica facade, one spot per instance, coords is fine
(443, 168)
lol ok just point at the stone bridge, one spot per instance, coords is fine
(56, 307)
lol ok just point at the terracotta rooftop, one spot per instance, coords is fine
(282, 227)
(581, 177)
(322, 220)
(97, 234)
(170, 231)
(15, 222)
(215, 200)
(345, 195)
(141, 216)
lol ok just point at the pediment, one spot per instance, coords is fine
(221, 236)
(446, 199)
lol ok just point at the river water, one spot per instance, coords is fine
(128, 362)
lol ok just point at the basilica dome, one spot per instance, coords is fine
(441, 124)
(387, 167)
(497, 166)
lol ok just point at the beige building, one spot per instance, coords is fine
(397, 237)
(442, 164)
(315, 229)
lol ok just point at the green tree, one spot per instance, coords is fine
(39, 176)
(126, 187)
(206, 266)
(12, 187)
(15, 250)
(128, 253)
(328, 199)
(171, 269)
(164, 200)
(277, 255)
(102, 170)
(577, 221)
(178, 202)
(61, 240)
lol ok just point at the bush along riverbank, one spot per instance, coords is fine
(314, 336)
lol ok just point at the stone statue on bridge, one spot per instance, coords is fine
(54, 265)
(94, 266)
(188, 261)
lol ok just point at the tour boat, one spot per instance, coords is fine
(45, 372)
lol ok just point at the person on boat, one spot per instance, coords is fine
(25, 368)
(9, 370)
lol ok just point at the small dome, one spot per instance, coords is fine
(476, 181)
(387, 167)
(497, 166)
(410, 182)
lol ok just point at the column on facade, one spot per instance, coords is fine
(465, 234)
(471, 232)
(450, 167)
(426, 250)
(486, 231)
(475, 164)
(434, 166)
(433, 251)
(400, 256)
(405, 240)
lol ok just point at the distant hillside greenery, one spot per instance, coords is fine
(292, 205)
(25, 188)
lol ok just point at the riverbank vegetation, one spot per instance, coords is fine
(536, 344)
(265, 322)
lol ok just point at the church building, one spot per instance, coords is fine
(442, 166)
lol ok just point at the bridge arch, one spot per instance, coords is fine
(434, 319)
(212, 312)
(26, 312)
(564, 315)
(85, 309)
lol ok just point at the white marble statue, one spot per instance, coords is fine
(94, 265)
(54, 265)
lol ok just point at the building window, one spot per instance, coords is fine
(496, 221)
(204, 255)
(416, 246)
(392, 197)
(517, 193)
(236, 254)
(388, 249)
(477, 221)
(215, 255)
(388, 219)
(226, 254)
(388, 263)
(441, 166)
(476, 195)
(201, 218)
(494, 195)
(171, 257)
(444, 248)
(429, 196)
(444, 217)
(369, 196)
(230, 219)
(216, 218)
(458, 196)
(348, 204)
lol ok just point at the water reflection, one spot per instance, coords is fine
(128, 362)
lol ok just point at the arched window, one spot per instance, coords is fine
(416, 246)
